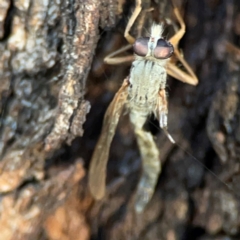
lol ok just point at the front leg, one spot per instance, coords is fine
(173, 70)
(162, 109)
(162, 112)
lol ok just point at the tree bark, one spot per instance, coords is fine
(52, 73)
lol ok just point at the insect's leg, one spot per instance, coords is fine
(162, 109)
(131, 21)
(186, 77)
(231, 48)
(189, 76)
(162, 112)
(179, 34)
(150, 162)
(112, 60)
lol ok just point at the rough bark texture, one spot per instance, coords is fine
(52, 71)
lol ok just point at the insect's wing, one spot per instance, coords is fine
(97, 172)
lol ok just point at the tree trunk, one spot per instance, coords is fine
(52, 73)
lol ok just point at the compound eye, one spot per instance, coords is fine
(140, 47)
(163, 50)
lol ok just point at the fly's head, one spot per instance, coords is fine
(153, 48)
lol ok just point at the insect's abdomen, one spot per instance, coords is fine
(146, 78)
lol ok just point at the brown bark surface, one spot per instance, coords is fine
(54, 91)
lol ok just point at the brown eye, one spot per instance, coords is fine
(163, 49)
(140, 47)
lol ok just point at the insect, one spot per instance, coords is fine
(142, 93)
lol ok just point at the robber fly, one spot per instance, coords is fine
(142, 93)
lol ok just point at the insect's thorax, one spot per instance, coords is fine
(146, 79)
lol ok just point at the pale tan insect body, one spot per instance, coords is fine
(147, 78)
(143, 93)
